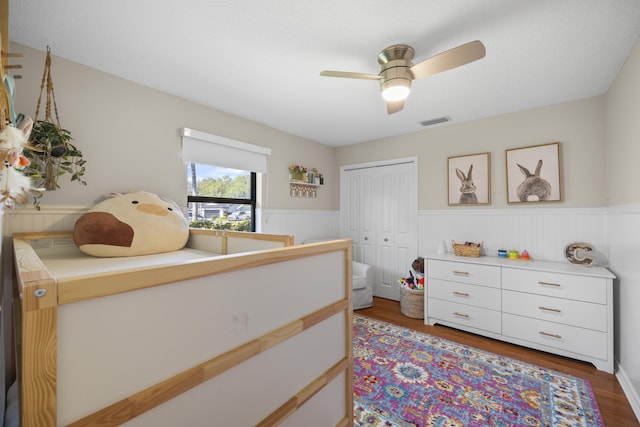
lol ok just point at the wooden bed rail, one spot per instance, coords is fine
(284, 239)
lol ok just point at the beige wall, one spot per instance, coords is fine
(578, 125)
(129, 135)
(623, 133)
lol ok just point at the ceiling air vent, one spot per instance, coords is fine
(435, 121)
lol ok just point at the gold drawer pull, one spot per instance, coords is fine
(455, 313)
(460, 294)
(555, 310)
(461, 273)
(547, 334)
(549, 284)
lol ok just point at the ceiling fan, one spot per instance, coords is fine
(397, 71)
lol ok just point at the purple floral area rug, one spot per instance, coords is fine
(406, 378)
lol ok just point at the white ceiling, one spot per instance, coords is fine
(261, 59)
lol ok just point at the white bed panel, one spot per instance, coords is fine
(146, 340)
(246, 394)
(324, 409)
(205, 242)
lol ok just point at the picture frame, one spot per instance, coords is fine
(534, 174)
(469, 179)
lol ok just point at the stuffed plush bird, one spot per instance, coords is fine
(14, 185)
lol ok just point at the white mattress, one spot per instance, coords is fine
(63, 259)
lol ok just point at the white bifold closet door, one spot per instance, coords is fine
(378, 212)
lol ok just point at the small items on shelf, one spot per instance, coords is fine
(297, 173)
(302, 174)
(514, 254)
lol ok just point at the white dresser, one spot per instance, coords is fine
(556, 307)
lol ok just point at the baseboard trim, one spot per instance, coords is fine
(629, 391)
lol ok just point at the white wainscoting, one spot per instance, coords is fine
(624, 240)
(544, 233)
(303, 224)
(48, 218)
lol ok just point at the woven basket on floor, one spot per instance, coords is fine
(412, 302)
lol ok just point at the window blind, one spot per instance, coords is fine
(205, 148)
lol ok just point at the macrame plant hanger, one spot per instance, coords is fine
(51, 176)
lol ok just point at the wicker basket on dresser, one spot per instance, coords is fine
(551, 306)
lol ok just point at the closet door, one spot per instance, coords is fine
(396, 228)
(350, 205)
(368, 217)
(379, 213)
(358, 213)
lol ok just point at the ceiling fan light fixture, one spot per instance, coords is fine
(397, 69)
(396, 90)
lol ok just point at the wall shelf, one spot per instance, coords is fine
(304, 182)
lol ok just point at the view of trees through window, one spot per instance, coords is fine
(221, 198)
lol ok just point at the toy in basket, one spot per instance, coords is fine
(412, 291)
(467, 248)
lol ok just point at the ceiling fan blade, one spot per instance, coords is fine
(394, 106)
(449, 59)
(350, 75)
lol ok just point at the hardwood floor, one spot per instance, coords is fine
(613, 404)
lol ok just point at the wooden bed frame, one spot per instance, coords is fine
(258, 333)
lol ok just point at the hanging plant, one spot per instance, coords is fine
(50, 149)
(52, 154)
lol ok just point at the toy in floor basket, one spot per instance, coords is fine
(470, 249)
(412, 291)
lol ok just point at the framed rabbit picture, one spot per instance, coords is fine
(469, 180)
(534, 174)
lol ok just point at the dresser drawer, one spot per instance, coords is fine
(478, 296)
(575, 313)
(467, 315)
(582, 288)
(564, 337)
(486, 275)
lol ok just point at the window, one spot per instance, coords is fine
(222, 180)
(221, 198)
